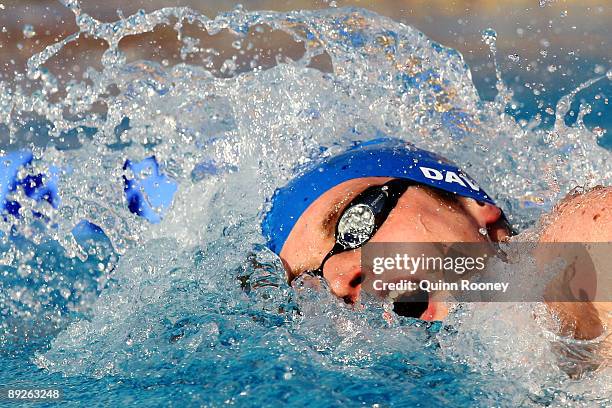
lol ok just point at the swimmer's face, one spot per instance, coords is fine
(422, 214)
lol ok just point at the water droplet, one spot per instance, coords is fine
(482, 231)
(28, 31)
(489, 36)
(599, 131)
(65, 292)
(514, 57)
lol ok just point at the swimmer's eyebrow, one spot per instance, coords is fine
(329, 221)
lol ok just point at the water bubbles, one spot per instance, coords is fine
(71, 4)
(190, 46)
(229, 67)
(514, 57)
(544, 3)
(28, 31)
(65, 292)
(599, 69)
(113, 57)
(74, 6)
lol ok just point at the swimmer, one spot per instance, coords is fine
(389, 191)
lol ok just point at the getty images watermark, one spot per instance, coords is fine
(508, 272)
(412, 264)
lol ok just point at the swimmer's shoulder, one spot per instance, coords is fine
(581, 217)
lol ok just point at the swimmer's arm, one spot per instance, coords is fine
(582, 218)
(580, 320)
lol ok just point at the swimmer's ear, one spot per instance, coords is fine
(485, 214)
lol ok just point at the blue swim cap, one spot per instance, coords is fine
(384, 157)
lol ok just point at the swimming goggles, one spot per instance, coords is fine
(364, 215)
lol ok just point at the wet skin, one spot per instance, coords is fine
(423, 214)
(583, 218)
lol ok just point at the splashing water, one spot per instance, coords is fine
(194, 308)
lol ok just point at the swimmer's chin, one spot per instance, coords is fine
(435, 311)
(437, 308)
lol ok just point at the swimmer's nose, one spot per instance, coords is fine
(484, 213)
(346, 284)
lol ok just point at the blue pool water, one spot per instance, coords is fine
(133, 268)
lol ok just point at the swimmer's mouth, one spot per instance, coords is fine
(413, 304)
